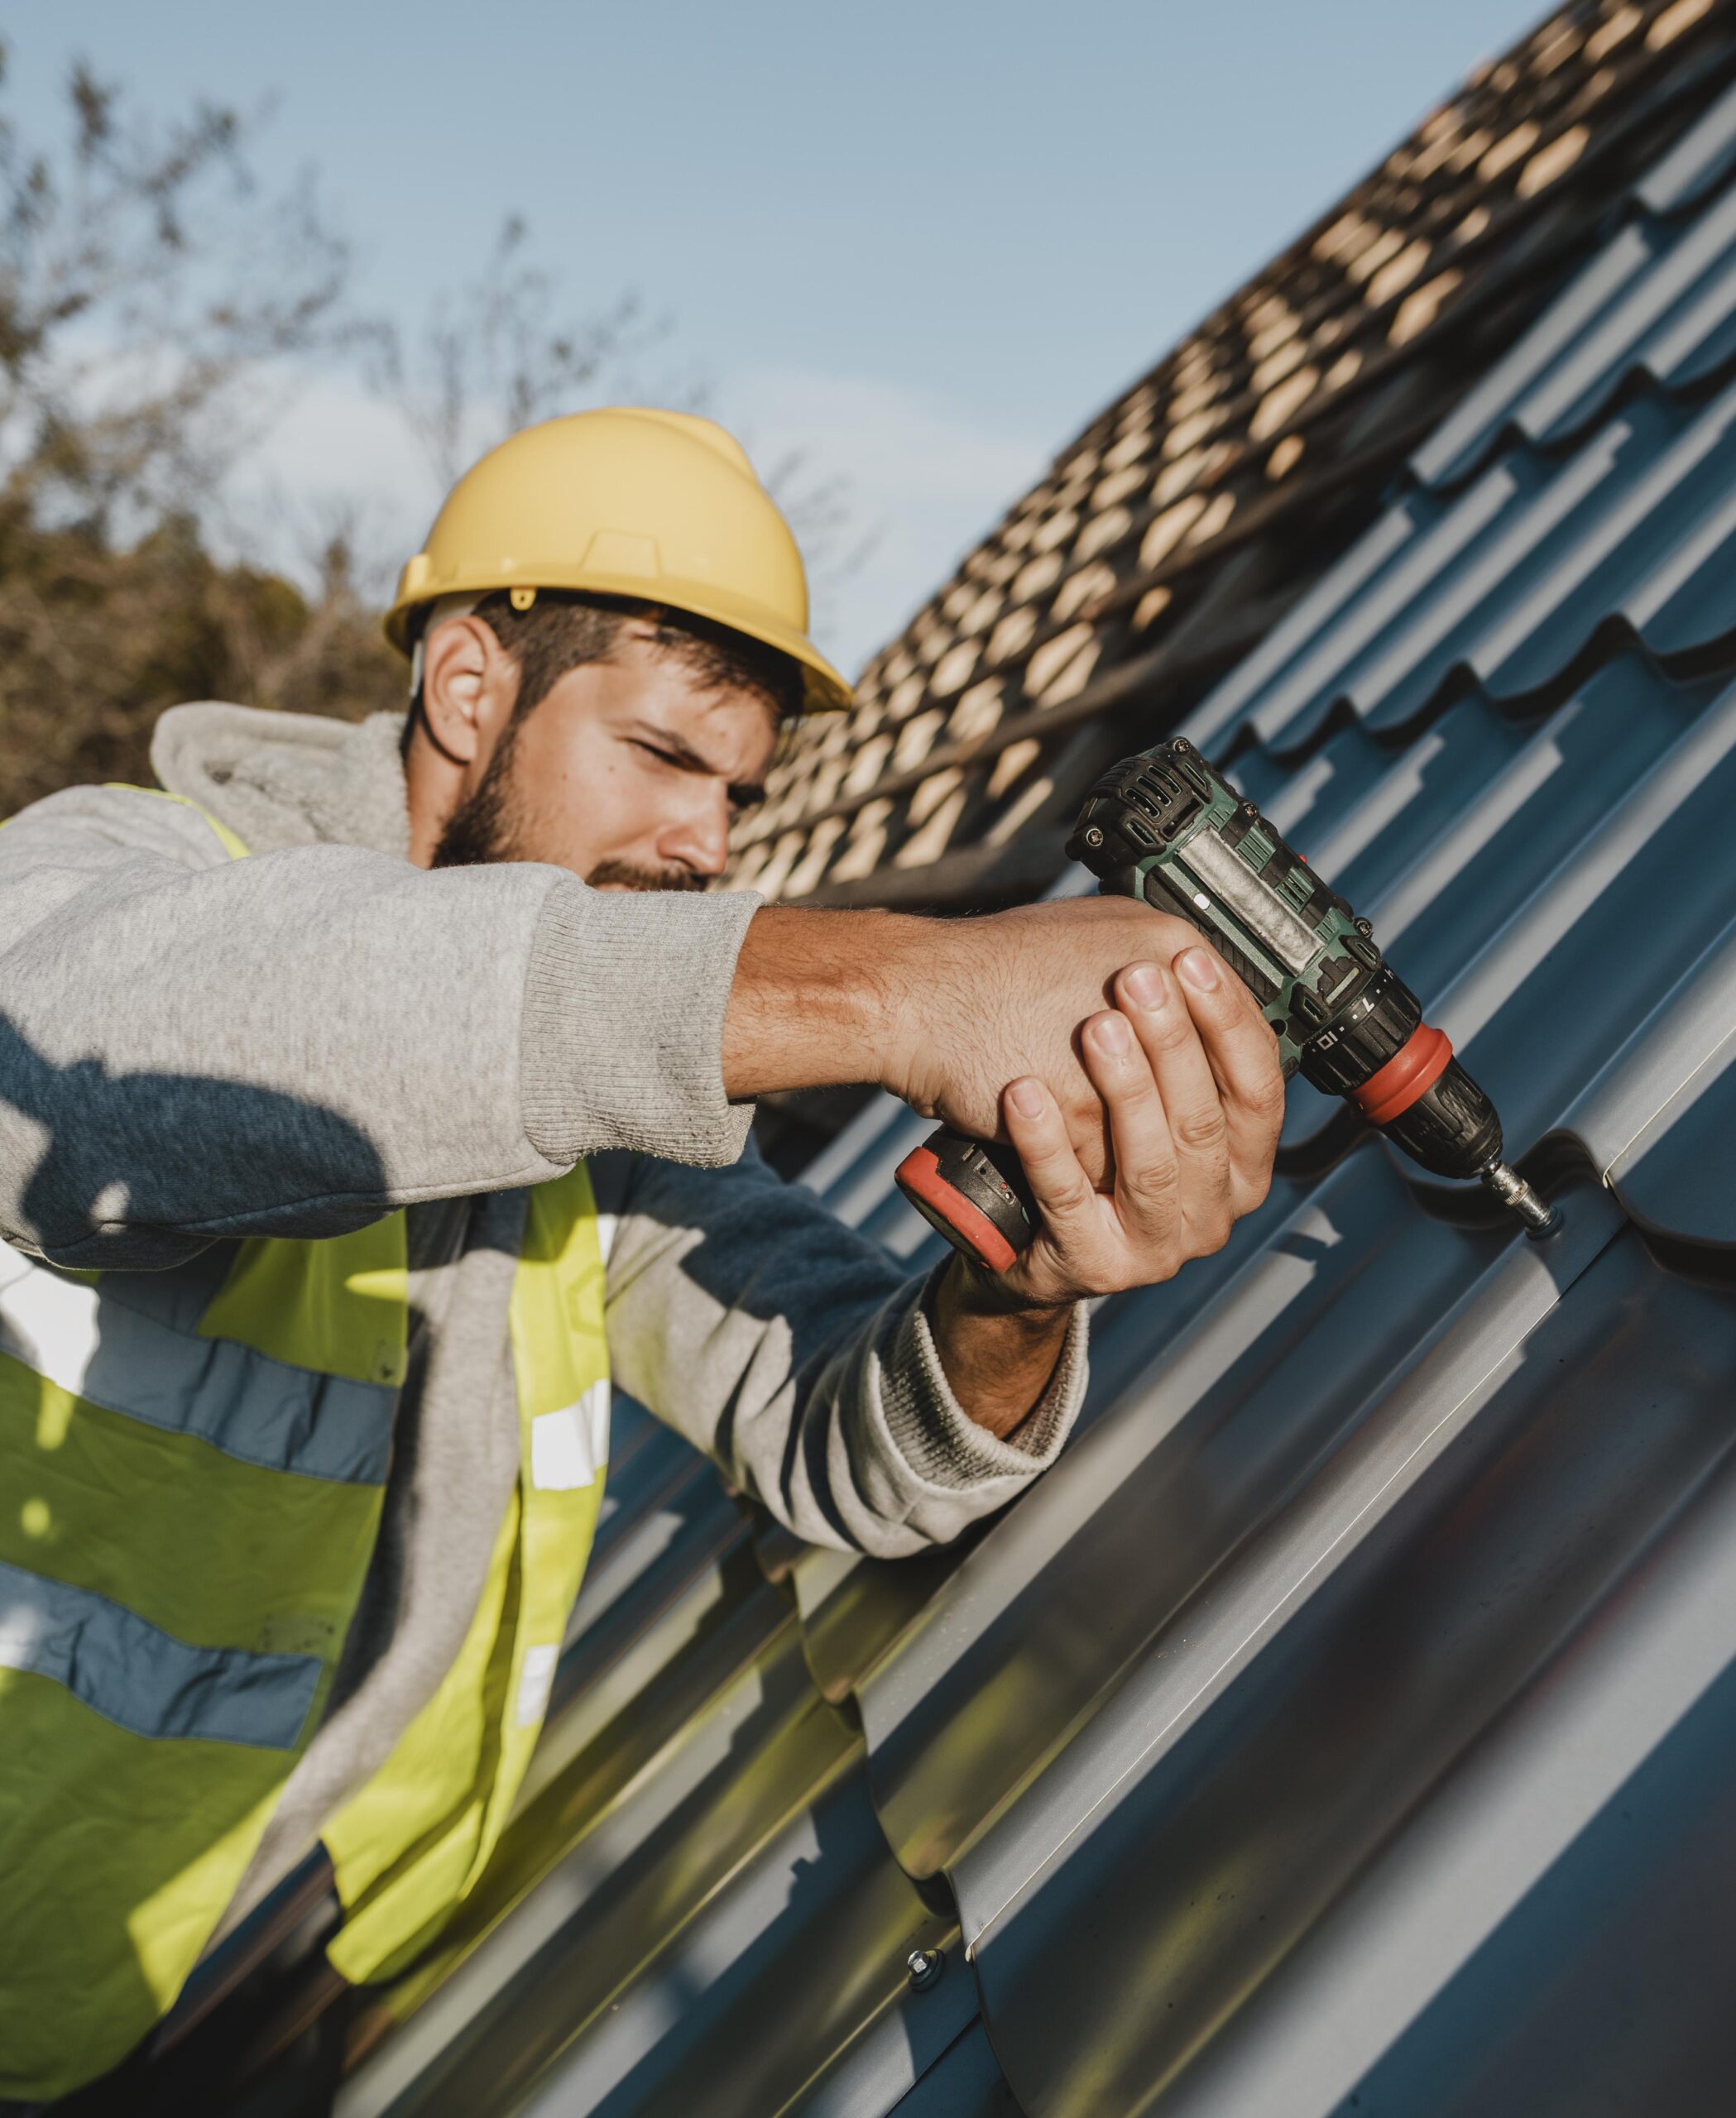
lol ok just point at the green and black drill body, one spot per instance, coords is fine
(1166, 826)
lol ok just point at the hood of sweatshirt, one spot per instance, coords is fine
(281, 780)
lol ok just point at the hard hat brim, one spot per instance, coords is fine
(823, 689)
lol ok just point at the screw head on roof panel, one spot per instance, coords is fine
(925, 1967)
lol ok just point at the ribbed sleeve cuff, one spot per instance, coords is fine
(623, 1027)
(940, 1441)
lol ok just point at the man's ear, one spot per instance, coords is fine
(469, 682)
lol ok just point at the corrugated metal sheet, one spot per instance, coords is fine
(1194, 511)
(1348, 1722)
(1659, 301)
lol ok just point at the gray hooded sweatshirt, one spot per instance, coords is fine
(195, 1050)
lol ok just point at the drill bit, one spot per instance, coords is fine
(1540, 1217)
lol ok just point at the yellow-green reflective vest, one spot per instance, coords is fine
(191, 1470)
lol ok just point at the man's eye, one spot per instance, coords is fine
(651, 751)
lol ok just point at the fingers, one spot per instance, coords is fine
(1239, 1046)
(1192, 1099)
(1067, 1204)
(1147, 1170)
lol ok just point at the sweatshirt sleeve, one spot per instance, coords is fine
(192, 1046)
(799, 1357)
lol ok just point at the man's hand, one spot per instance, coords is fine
(946, 1013)
(1187, 1072)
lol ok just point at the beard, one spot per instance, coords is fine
(488, 826)
(485, 826)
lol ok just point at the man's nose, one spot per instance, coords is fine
(698, 839)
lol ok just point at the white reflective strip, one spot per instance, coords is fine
(535, 1681)
(50, 1324)
(568, 1447)
(141, 1678)
(88, 1340)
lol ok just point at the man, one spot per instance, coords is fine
(370, 1095)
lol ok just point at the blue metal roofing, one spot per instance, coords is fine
(1191, 514)
(1659, 301)
(1347, 1723)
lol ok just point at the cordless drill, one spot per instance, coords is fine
(1167, 827)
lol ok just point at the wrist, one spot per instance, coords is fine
(898, 972)
(968, 1287)
(820, 999)
(998, 1350)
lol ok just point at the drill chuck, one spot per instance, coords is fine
(1399, 1072)
(1167, 827)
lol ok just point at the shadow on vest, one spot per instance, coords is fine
(111, 1182)
(101, 1176)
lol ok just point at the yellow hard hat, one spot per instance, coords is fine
(660, 506)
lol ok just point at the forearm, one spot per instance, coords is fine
(800, 1358)
(999, 1354)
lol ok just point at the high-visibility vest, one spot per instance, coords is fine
(192, 1465)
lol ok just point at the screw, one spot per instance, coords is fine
(1093, 837)
(1248, 809)
(925, 1967)
(1365, 927)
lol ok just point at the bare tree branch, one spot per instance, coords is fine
(145, 280)
(150, 289)
(500, 353)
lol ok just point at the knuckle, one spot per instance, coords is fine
(1170, 1038)
(1264, 1095)
(1152, 1183)
(1201, 1128)
(1133, 1092)
(1072, 1195)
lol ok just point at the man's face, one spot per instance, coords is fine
(630, 772)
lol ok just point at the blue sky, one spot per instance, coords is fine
(922, 242)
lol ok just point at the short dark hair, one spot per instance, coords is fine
(561, 630)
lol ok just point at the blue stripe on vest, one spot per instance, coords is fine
(260, 1410)
(141, 1678)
